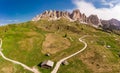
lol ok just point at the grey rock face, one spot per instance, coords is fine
(76, 15)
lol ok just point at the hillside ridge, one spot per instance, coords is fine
(76, 15)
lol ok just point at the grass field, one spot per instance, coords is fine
(29, 42)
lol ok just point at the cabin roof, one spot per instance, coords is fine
(48, 63)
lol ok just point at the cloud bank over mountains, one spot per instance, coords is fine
(88, 7)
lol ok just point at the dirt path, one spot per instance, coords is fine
(59, 62)
(34, 70)
(0, 43)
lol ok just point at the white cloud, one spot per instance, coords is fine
(103, 13)
(8, 21)
(12, 20)
(110, 3)
(2, 24)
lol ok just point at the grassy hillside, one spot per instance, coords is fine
(29, 42)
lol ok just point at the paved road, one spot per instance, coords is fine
(34, 70)
(59, 62)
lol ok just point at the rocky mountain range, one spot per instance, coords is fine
(111, 24)
(76, 15)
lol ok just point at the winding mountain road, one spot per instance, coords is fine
(60, 61)
(34, 70)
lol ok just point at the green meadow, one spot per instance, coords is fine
(24, 42)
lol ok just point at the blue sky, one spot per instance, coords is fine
(14, 11)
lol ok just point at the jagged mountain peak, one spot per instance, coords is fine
(76, 11)
(52, 15)
(76, 15)
(93, 19)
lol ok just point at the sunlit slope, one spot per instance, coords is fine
(29, 42)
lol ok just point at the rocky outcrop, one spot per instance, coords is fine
(76, 15)
(93, 19)
(52, 15)
(111, 24)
